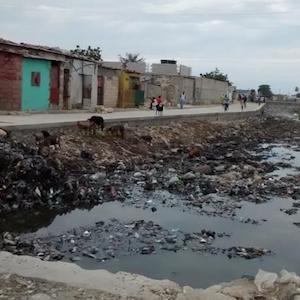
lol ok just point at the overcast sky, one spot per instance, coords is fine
(254, 41)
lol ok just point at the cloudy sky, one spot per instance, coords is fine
(254, 41)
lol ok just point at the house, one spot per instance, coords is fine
(39, 78)
(118, 87)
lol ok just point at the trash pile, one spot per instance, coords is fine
(111, 239)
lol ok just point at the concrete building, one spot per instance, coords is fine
(185, 70)
(39, 78)
(139, 67)
(170, 67)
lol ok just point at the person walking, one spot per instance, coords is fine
(226, 102)
(152, 103)
(159, 106)
(182, 100)
(245, 101)
(241, 100)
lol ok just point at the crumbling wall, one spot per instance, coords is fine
(10, 81)
(170, 87)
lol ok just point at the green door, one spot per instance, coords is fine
(35, 84)
(139, 98)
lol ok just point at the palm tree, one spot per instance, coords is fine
(130, 57)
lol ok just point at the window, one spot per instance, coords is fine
(35, 78)
(87, 86)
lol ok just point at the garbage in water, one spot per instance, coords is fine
(200, 192)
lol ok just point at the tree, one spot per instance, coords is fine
(217, 75)
(130, 57)
(91, 53)
(265, 91)
(296, 89)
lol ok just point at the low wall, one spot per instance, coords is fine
(21, 130)
(278, 108)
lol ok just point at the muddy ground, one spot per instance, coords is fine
(210, 168)
(19, 288)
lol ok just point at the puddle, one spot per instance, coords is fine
(188, 268)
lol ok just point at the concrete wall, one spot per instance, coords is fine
(198, 90)
(10, 81)
(209, 91)
(79, 68)
(111, 91)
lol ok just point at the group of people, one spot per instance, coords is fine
(157, 104)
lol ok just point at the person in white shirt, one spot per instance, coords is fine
(182, 100)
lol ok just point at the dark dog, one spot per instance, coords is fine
(47, 139)
(98, 121)
(45, 134)
(117, 130)
(147, 138)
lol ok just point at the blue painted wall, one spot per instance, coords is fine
(35, 97)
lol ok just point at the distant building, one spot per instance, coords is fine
(170, 67)
(139, 67)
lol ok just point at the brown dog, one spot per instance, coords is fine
(87, 127)
(117, 131)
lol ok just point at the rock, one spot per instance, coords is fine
(188, 176)
(231, 176)
(171, 239)
(40, 297)
(86, 234)
(75, 258)
(203, 169)
(98, 175)
(90, 255)
(220, 168)
(147, 250)
(265, 281)
(174, 180)
(3, 133)
(138, 174)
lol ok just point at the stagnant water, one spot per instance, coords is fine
(278, 234)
